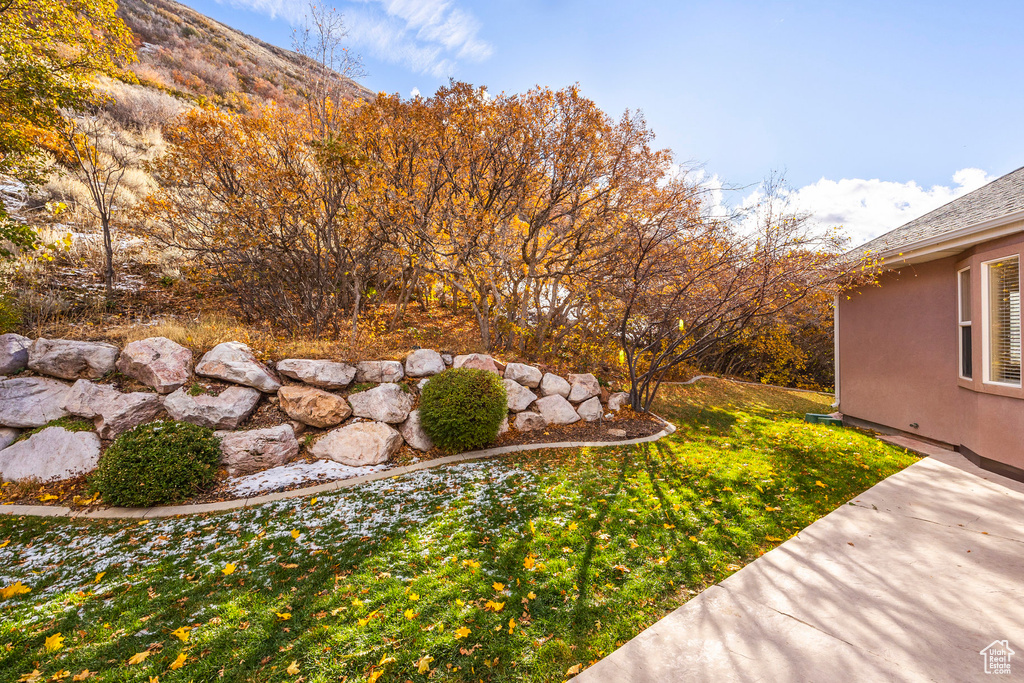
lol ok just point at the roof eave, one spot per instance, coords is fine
(952, 243)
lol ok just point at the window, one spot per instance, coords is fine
(966, 350)
(1004, 321)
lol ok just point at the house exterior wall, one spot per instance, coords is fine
(899, 359)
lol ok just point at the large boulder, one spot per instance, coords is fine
(235, 362)
(52, 454)
(423, 363)
(476, 361)
(519, 397)
(551, 385)
(529, 421)
(583, 387)
(69, 359)
(379, 371)
(8, 435)
(414, 434)
(384, 403)
(257, 449)
(29, 402)
(112, 411)
(225, 411)
(362, 443)
(312, 406)
(13, 353)
(590, 410)
(556, 410)
(157, 362)
(325, 374)
(527, 375)
(618, 401)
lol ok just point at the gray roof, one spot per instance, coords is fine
(1001, 197)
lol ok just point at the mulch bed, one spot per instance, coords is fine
(74, 492)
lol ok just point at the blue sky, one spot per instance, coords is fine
(876, 111)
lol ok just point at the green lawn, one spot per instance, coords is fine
(520, 568)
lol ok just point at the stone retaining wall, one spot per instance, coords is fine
(49, 379)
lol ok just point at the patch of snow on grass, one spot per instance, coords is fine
(297, 473)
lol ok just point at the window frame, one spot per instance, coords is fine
(986, 322)
(961, 323)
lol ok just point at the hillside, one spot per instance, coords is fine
(185, 53)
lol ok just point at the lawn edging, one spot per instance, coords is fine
(239, 503)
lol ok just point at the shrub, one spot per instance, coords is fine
(155, 463)
(463, 408)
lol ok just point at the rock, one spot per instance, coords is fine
(477, 361)
(414, 434)
(235, 362)
(423, 363)
(619, 433)
(448, 359)
(554, 385)
(422, 383)
(225, 411)
(318, 373)
(312, 406)
(52, 454)
(29, 402)
(257, 449)
(384, 403)
(379, 371)
(590, 410)
(69, 359)
(519, 397)
(503, 427)
(527, 375)
(157, 362)
(618, 401)
(556, 410)
(13, 353)
(112, 411)
(530, 421)
(363, 443)
(8, 435)
(583, 387)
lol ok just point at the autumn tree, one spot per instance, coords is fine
(49, 51)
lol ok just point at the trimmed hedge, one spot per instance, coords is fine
(157, 463)
(463, 408)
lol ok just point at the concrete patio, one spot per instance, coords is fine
(908, 582)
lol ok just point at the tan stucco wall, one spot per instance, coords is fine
(899, 358)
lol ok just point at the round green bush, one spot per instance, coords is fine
(462, 408)
(157, 463)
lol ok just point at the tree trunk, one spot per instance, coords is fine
(108, 265)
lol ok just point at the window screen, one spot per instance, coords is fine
(1004, 321)
(966, 349)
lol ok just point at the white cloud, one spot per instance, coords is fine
(868, 208)
(414, 93)
(425, 36)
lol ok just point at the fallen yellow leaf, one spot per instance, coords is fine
(4, 544)
(461, 632)
(229, 569)
(818, 483)
(313, 502)
(414, 597)
(31, 678)
(460, 603)
(138, 657)
(154, 679)
(498, 586)
(511, 626)
(293, 668)
(17, 588)
(60, 675)
(296, 533)
(83, 675)
(283, 616)
(574, 669)
(181, 633)
(47, 497)
(409, 614)
(99, 576)
(356, 602)
(374, 675)
(496, 606)
(423, 665)
(531, 595)
(179, 661)
(528, 563)
(573, 526)
(366, 620)
(54, 642)
(670, 526)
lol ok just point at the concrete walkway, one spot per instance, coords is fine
(908, 582)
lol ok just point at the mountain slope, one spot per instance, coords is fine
(183, 52)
